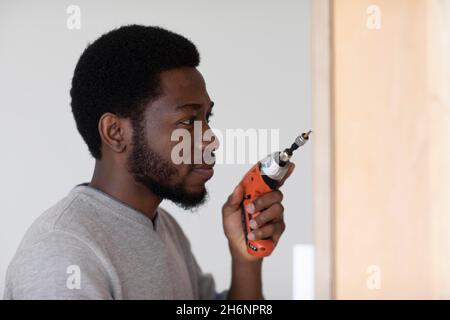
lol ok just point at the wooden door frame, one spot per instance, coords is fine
(323, 177)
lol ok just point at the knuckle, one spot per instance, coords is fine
(279, 195)
(270, 229)
(279, 207)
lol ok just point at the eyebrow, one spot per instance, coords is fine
(194, 106)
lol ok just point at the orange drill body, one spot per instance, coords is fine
(254, 186)
(264, 177)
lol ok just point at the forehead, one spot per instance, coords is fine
(179, 87)
(182, 85)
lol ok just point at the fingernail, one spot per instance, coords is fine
(251, 208)
(253, 224)
(251, 236)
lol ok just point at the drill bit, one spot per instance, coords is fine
(306, 135)
(299, 141)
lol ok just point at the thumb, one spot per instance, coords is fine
(234, 200)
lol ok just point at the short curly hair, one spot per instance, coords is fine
(119, 73)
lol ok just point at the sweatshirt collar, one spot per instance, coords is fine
(118, 206)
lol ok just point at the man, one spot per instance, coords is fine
(109, 239)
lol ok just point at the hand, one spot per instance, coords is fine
(269, 223)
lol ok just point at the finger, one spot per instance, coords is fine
(273, 214)
(234, 199)
(265, 201)
(272, 230)
(290, 170)
(280, 229)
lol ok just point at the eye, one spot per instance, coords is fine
(188, 122)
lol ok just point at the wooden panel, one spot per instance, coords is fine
(391, 138)
(438, 62)
(321, 101)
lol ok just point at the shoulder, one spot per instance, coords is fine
(67, 231)
(56, 241)
(72, 216)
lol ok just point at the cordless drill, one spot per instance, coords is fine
(265, 176)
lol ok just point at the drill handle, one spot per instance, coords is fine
(254, 186)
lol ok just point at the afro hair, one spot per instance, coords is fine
(119, 73)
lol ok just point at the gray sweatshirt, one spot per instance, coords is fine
(92, 246)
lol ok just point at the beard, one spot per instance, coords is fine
(157, 174)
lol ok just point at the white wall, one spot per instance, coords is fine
(255, 59)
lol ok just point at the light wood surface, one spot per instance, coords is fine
(391, 147)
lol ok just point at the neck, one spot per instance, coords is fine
(121, 185)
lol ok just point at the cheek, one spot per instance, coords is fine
(183, 170)
(161, 136)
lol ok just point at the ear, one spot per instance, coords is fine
(112, 130)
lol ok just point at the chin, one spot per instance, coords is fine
(195, 189)
(192, 199)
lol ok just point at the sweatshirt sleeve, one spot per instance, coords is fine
(58, 267)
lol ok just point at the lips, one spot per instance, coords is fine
(205, 172)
